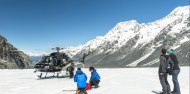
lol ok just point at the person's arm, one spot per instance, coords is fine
(171, 63)
(99, 75)
(162, 65)
(91, 77)
(75, 78)
(86, 77)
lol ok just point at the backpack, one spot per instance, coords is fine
(88, 87)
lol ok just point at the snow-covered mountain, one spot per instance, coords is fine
(35, 56)
(133, 44)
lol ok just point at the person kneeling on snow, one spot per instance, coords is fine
(81, 79)
(95, 77)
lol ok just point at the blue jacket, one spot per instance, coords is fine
(80, 78)
(94, 75)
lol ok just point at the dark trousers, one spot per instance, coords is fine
(95, 82)
(164, 83)
(71, 74)
(175, 81)
(81, 91)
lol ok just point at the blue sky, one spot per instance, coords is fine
(42, 24)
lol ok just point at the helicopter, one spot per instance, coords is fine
(55, 62)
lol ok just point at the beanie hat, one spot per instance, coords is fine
(170, 51)
(78, 68)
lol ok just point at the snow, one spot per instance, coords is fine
(114, 81)
(71, 51)
(128, 30)
(187, 54)
(175, 47)
(177, 28)
(37, 53)
(135, 63)
(151, 63)
(185, 39)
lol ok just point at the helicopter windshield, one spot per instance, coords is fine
(44, 59)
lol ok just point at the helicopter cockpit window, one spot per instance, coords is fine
(64, 61)
(44, 59)
(54, 61)
(48, 59)
(58, 62)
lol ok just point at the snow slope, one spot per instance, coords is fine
(114, 81)
(133, 44)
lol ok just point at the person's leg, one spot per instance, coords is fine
(77, 91)
(82, 91)
(176, 89)
(91, 83)
(95, 82)
(167, 83)
(70, 74)
(163, 84)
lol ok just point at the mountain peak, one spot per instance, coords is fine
(181, 10)
(126, 23)
(132, 44)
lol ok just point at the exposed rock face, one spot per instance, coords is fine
(11, 57)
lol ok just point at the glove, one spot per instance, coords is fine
(162, 73)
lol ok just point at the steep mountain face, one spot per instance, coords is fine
(130, 44)
(11, 57)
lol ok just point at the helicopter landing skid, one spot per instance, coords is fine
(40, 76)
(57, 75)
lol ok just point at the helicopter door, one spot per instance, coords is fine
(54, 62)
(58, 62)
(64, 61)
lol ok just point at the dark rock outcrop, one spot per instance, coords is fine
(11, 57)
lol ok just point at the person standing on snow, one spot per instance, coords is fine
(175, 72)
(81, 79)
(95, 77)
(71, 70)
(163, 72)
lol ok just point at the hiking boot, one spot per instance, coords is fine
(83, 92)
(96, 86)
(173, 92)
(163, 93)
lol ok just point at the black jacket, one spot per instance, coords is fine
(163, 63)
(175, 61)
